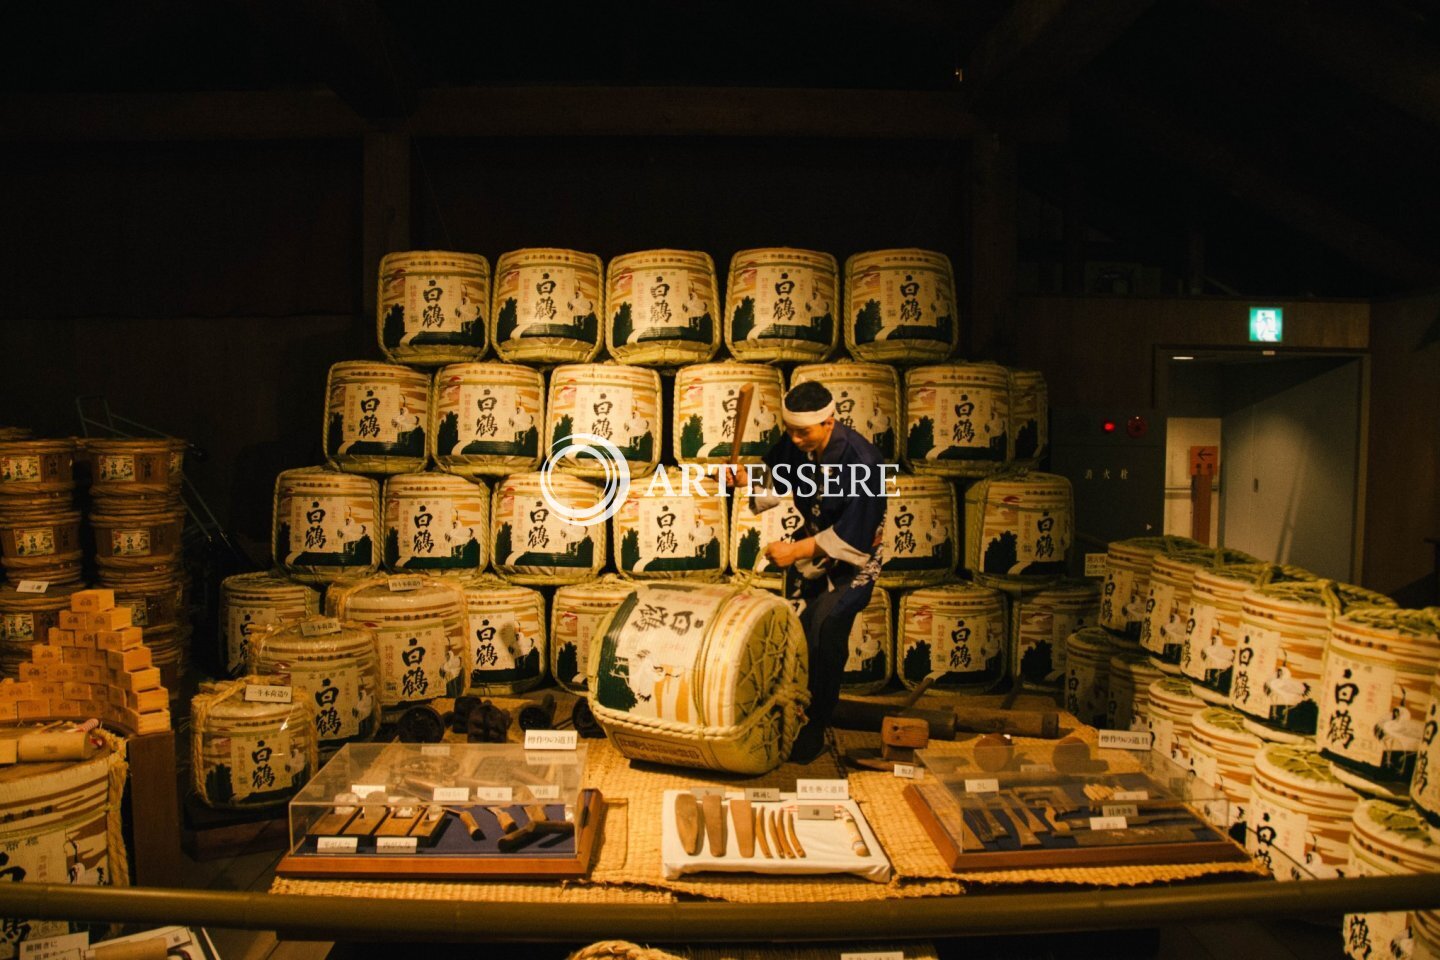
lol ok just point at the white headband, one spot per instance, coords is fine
(808, 418)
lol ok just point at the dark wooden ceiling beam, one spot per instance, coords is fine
(514, 112)
(1396, 66)
(1229, 167)
(1040, 46)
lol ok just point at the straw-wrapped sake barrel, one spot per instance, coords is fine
(45, 548)
(1040, 622)
(780, 304)
(870, 660)
(662, 308)
(1167, 603)
(1029, 417)
(487, 418)
(1300, 815)
(614, 402)
(1386, 839)
(1127, 693)
(751, 533)
(1425, 783)
(900, 306)
(707, 402)
(867, 399)
(127, 467)
(1222, 754)
(1127, 579)
(1087, 674)
(436, 523)
(506, 635)
(533, 544)
(420, 626)
(921, 533)
(575, 619)
(249, 753)
(331, 664)
(547, 306)
(667, 529)
(1018, 528)
(1283, 631)
(250, 602)
(26, 619)
(1212, 631)
(431, 306)
(701, 675)
(325, 525)
(29, 468)
(958, 631)
(376, 417)
(1170, 716)
(1375, 695)
(957, 419)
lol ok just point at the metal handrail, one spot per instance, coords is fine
(374, 918)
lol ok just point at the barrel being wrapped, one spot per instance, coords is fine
(707, 401)
(533, 544)
(325, 524)
(781, 304)
(436, 523)
(900, 306)
(870, 660)
(1018, 528)
(376, 417)
(249, 753)
(662, 308)
(487, 418)
(921, 533)
(667, 529)
(701, 675)
(1167, 600)
(1029, 417)
(957, 419)
(256, 601)
(958, 631)
(547, 306)
(617, 403)
(431, 306)
(332, 665)
(508, 651)
(751, 533)
(575, 618)
(867, 399)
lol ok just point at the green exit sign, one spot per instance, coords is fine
(1267, 324)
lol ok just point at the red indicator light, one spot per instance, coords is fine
(1108, 426)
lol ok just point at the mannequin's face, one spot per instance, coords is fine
(812, 438)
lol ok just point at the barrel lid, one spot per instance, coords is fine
(1396, 832)
(292, 638)
(1138, 547)
(226, 701)
(1224, 723)
(1095, 641)
(969, 594)
(607, 587)
(487, 586)
(376, 593)
(1071, 589)
(350, 483)
(1422, 626)
(376, 368)
(1338, 598)
(1175, 692)
(1300, 765)
(433, 480)
(431, 258)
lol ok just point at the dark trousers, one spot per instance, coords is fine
(827, 618)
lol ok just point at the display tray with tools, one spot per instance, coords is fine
(444, 811)
(714, 830)
(1039, 816)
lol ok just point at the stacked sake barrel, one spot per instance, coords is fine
(138, 521)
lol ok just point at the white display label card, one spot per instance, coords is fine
(34, 586)
(988, 785)
(1124, 740)
(1095, 564)
(1130, 795)
(365, 789)
(495, 795)
(1108, 823)
(55, 948)
(551, 739)
(814, 811)
(399, 584)
(1119, 810)
(907, 771)
(435, 750)
(452, 794)
(762, 794)
(319, 628)
(822, 790)
(269, 693)
(395, 844)
(875, 955)
(548, 792)
(336, 844)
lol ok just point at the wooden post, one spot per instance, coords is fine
(1203, 461)
(385, 214)
(154, 810)
(992, 245)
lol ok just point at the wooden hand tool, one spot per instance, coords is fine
(713, 808)
(1137, 835)
(471, 825)
(744, 819)
(900, 737)
(687, 822)
(400, 822)
(540, 825)
(777, 836)
(759, 829)
(742, 416)
(994, 829)
(791, 835)
(1031, 821)
(507, 822)
(857, 840)
(1022, 830)
(367, 821)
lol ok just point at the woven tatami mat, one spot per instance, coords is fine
(570, 892)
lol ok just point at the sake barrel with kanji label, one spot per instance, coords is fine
(1386, 839)
(420, 628)
(1300, 815)
(1170, 715)
(1029, 417)
(436, 523)
(1212, 631)
(575, 618)
(921, 533)
(867, 399)
(506, 635)
(670, 529)
(487, 418)
(701, 675)
(1222, 754)
(547, 307)
(36, 505)
(376, 416)
(138, 540)
(614, 402)
(1375, 694)
(957, 419)
(249, 752)
(325, 524)
(958, 631)
(707, 402)
(1087, 673)
(900, 306)
(1127, 580)
(1040, 622)
(870, 657)
(533, 543)
(431, 306)
(781, 304)
(123, 467)
(751, 533)
(662, 308)
(1127, 696)
(256, 601)
(44, 548)
(1018, 528)
(1278, 663)
(26, 619)
(1167, 600)
(331, 664)
(30, 467)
